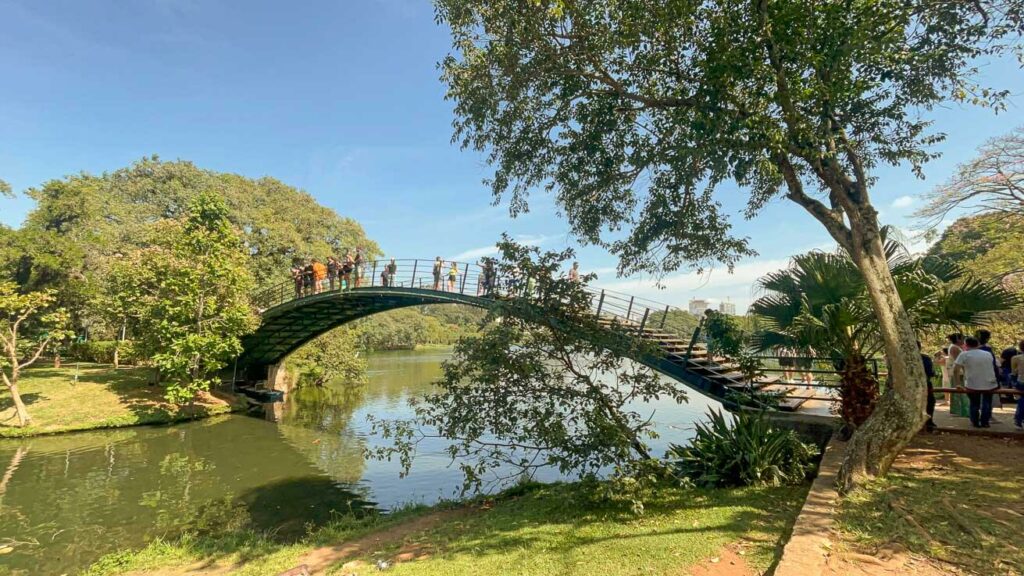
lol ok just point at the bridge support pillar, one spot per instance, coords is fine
(279, 379)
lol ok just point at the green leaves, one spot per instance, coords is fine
(634, 113)
(543, 386)
(187, 293)
(743, 449)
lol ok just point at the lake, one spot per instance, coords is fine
(66, 500)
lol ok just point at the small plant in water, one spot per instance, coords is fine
(745, 450)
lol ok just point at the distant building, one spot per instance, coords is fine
(727, 308)
(698, 306)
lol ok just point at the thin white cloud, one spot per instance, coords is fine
(716, 285)
(903, 202)
(477, 253)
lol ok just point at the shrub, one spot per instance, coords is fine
(746, 451)
(102, 351)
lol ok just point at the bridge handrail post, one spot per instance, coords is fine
(663, 318)
(465, 274)
(629, 310)
(373, 275)
(644, 321)
(412, 281)
(600, 303)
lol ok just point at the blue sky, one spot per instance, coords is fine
(341, 99)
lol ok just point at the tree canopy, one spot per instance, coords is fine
(82, 223)
(188, 293)
(634, 112)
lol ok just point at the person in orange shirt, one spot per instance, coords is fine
(319, 274)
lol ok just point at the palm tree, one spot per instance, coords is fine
(820, 302)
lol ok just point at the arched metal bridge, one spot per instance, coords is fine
(292, 315)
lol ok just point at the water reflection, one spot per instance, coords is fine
(66, 500)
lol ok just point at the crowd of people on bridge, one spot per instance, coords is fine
(313, 276)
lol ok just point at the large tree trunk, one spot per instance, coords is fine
(23, 418)
(900, 412)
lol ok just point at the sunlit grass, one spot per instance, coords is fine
(100, 397)
(545, 530)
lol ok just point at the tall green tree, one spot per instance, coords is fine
(633, 112)
(29, 324)
(188, 292)
(821, 302)
(83, 223)
(546, 387)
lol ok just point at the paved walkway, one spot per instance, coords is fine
(1002, 421)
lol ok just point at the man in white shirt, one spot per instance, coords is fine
(973, 369)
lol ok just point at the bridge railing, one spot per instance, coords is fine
(469, 279)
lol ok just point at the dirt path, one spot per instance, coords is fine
(318, 560)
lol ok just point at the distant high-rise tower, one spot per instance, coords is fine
(727, 308)
(698, 306)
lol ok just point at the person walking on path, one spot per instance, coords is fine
(391, 269)
(974, 370)
(453, 276)
(438, 266)
(1017, 378)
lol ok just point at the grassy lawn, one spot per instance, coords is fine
(956, 500)
(541, 530)
(100, 398)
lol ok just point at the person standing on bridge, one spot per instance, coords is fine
(346, 271)
(453, 276)
(307, 278)
(333, 269)
(358, 266)
(297, 278)
(438, 266)
(391, 269)
(319, 275)
(574, 272)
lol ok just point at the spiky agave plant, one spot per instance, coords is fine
(743, 450)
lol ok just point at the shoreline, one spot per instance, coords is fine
(88, 397)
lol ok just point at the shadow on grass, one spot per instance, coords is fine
(965, 495)
(547, 518)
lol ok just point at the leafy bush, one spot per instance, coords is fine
(102, 351)
(725, 337)
(746, 451)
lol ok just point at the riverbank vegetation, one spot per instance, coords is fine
(531, 530)
(89, 396)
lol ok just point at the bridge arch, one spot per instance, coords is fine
(293, 315)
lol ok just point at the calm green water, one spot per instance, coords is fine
(67, 500)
